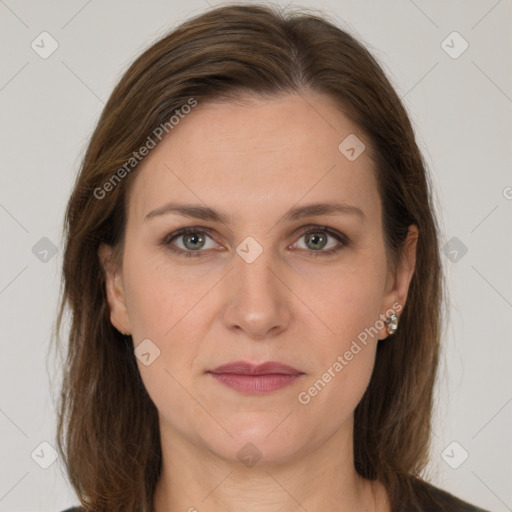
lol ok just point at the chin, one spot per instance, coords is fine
(259, 442)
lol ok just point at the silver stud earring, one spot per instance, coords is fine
(392, 323)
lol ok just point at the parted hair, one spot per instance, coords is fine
(108, 433)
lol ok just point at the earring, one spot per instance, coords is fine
(392, 323)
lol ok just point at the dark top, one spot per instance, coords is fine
(428, 499)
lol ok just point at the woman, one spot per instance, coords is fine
(253, 276)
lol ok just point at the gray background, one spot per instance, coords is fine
(461, 110)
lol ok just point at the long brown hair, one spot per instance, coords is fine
(108, 431)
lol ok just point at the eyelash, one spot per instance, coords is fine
(343, 239)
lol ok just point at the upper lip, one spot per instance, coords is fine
(266, 368)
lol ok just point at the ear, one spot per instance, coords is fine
(114, 290)
(397, 286)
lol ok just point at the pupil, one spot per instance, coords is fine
(198, 239)
(315, 238)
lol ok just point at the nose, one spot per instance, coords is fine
(258, 300)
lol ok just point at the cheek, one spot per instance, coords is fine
(159, 295)
(349, 306)
(163, 308)
(169, 308)
(347, 299)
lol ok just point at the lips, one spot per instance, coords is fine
(256, 379)
(267, 368)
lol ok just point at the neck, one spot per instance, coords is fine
(195, 479)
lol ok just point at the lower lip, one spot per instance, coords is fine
(256, 384)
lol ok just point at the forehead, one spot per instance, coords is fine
(256, 153)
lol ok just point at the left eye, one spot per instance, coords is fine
(317, 240)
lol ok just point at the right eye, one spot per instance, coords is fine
(190, 241)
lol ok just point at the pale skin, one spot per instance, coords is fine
(255, 162)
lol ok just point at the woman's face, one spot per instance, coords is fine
(254, 287)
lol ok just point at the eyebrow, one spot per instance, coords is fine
(208, 214)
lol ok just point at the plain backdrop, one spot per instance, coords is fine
(460, 102)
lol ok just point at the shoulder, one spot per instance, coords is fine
(429, 498)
